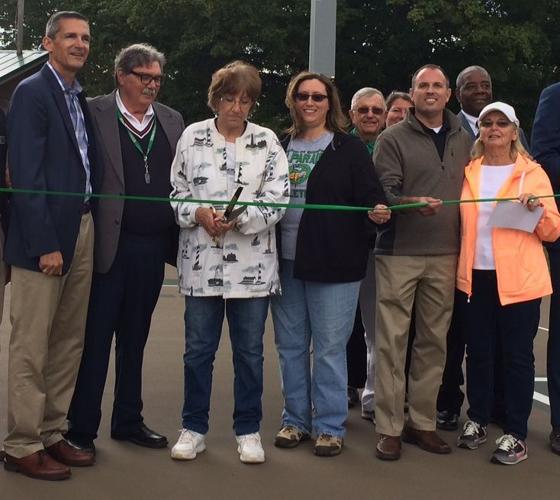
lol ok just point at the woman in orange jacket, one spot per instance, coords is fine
(502, 274)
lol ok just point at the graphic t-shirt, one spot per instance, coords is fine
(302, 157)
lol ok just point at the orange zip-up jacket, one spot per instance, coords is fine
(521, 267)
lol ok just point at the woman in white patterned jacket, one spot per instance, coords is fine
(227, 266)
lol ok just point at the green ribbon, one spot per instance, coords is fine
(306, 206)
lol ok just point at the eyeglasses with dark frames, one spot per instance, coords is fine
(147, 79)
(364, 110)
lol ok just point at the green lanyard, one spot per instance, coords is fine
(138, 146)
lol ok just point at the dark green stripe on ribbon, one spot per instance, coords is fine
(306, 206)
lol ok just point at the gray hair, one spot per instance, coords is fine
(461, 76)
(367, 92)
(53, 24)
(138, 54)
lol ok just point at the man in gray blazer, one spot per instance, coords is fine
(133, 240)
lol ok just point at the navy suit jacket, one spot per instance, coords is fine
(3, 151)
(546, 139)
(468, 128)
(44, 156)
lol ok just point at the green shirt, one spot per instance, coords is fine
(369, 145)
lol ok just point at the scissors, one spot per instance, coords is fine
(231, 212)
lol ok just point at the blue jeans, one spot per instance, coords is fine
(322, 313)
(203, 327)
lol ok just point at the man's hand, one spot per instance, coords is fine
(51, 264)
(432, 207)
(380, 214)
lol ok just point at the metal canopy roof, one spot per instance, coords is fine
(12, 65)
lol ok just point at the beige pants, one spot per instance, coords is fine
(400, 280)
(48, 317)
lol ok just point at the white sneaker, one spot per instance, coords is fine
(250, 448)
(188, 445)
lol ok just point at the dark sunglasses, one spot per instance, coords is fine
(364, 110)
(302, 97)
(147, 79)
(499, 123)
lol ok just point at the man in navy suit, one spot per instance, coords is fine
(546, 150)
(3, 151)
(50, 248)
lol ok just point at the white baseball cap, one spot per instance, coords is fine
(504, 108)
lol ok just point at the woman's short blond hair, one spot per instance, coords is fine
(336, 121)
(235, 77)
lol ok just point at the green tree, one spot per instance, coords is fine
(379, 43)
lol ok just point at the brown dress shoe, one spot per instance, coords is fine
(427, 440)
(388, 447)
(38, 465)
(67, 454)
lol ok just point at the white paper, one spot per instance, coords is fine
(514, 215)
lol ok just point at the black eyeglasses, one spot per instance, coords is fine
(302, 97)
(147, 79)
(364, 110)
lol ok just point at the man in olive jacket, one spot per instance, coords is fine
(421, 159)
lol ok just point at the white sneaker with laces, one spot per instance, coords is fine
(188, 445)
(473, 435)
(250, 448)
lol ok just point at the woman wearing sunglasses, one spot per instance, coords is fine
(323, 259)
(502, 274)
(227, 258)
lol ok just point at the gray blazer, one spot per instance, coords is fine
(108, 212)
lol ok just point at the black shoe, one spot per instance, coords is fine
(447, 421)
(80, 441)
(143, 437)
(353, 397)
(555, 440)
(82, 444)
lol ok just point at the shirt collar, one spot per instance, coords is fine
(445, 126)
(370, 145)
(75, 88)
(137, 124)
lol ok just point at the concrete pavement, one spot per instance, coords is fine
(125, 471)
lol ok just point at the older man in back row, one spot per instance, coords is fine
(367, 113)
(137, 139)
(420, 159)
